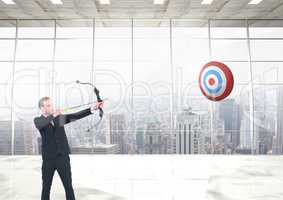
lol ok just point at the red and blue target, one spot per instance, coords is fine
(216, 81)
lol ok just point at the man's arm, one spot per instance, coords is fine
(41, 122)
(65, 119)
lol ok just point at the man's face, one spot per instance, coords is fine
(47, 107)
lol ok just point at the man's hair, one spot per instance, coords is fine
(42, 100)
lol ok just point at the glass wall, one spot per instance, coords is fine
(7, 49)
(147, 71)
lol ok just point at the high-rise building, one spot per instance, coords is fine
(140, 137)
(213, 130)
(245, 133)
(277, 147)
(258, 142)
(156, 142)
(229, 112)
(22, 138)
(117, 126)
(189, 135)
(263, 134)
(29, 138)
(5, 137)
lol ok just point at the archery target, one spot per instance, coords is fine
(216, 81)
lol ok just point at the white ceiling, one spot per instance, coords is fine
(187, 9)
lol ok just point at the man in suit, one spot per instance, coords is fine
(55, 147)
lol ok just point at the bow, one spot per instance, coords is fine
(98, 98)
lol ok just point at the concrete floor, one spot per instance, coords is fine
(150, 177)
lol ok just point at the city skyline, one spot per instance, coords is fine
(152, 136)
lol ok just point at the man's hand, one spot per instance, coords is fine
(99, 105)
(96, 106)
(56, 113)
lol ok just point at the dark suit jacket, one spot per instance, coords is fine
(54, 139)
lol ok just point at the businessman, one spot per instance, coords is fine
(55, 147)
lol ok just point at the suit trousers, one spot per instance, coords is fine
(62, 164)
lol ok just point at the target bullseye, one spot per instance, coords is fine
(211, 81)
(216, 81)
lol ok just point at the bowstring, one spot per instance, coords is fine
(100, 110)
